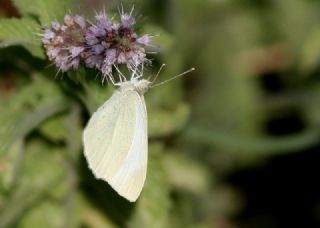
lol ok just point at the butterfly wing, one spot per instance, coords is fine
(116, 144)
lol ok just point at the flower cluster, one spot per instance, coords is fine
(65, 43)
(111, 43)
(101, 45)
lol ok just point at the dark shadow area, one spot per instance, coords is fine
(283, 193)
(289, 122)
(102, 196)
(272, 82)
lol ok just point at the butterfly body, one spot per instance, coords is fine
(140, 86)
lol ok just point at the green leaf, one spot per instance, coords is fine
(310, 53)
(55, 128)
(164, 122)
(47, 214)
(46, 10)
(65, 127)
(11, 164)
(32, 105)
(36, 178)
(23, 31)
(96, 95)
(35, 169)
(186, 174)
(251, 147)
(153, 205)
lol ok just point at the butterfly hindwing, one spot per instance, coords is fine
(115, 143)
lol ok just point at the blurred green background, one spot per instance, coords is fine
(233, 144)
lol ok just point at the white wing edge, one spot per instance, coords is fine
(130, 178)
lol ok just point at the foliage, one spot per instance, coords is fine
(202, 128)
(21, 32)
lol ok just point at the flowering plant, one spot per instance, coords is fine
(101, 45)
(43, 119)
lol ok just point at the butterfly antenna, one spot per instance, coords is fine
(160, 69)
(170, 79)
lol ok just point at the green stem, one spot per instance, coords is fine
(257, 145)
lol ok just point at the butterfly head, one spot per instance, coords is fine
(141, 86)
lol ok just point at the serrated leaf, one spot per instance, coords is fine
(46, 10)
(152, 209)
(22, 32)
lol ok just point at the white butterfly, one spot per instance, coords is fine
(116, 137)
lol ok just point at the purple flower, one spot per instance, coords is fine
(65, 44)
(55, 25)
(101, 45)
(104, 23)
(144, 40)
(127, 20)
(114, 43)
